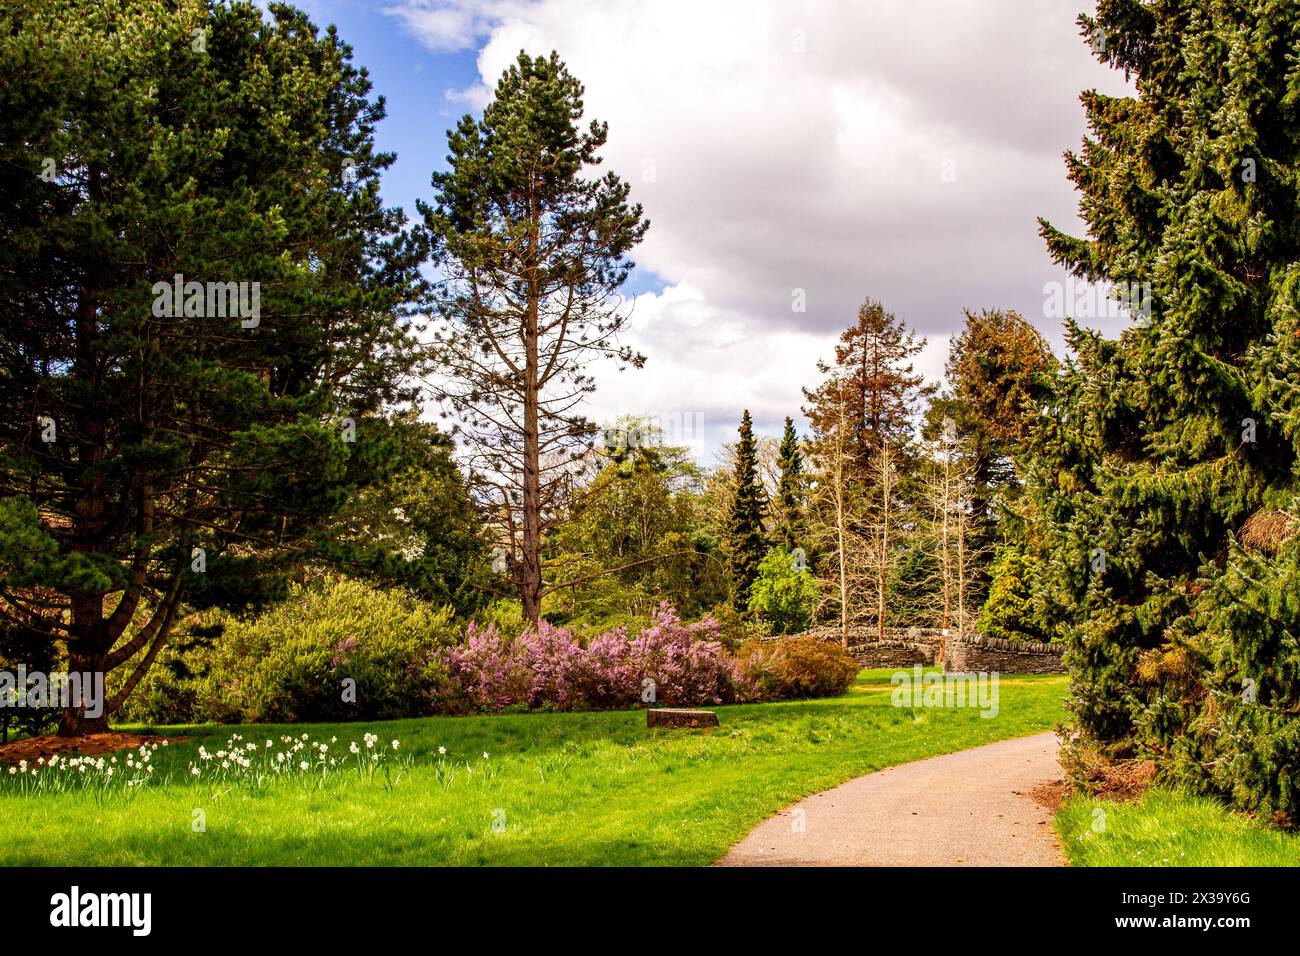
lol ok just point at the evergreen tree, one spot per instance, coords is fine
(418, 528)
(746, 541)
(999, 371)
(1160, 445)
(791, 492)
(202, 296)
(872, 363)
(863, 416)
(999, 374)
(532, 251)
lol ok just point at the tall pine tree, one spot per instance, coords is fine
(873, 372)
(746, 540)
(532, 248)
(791, 530)
(203, 303)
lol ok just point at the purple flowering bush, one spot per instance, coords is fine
(485, 673)
(687, 662)
(669, 662)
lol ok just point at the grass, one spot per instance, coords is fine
(564, 789)
(1165, 828)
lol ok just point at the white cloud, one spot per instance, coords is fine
(705, 364)
(450, 25)
(778, 146)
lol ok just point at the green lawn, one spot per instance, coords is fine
(589, 789)
(1169, 829)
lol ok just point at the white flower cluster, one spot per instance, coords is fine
(245, 763)
(240, 763)
(59, 773)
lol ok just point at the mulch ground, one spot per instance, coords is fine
(1051, 795)
(31, 748)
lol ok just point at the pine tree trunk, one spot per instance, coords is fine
(87, 628)
(86, 655)
(530, 583)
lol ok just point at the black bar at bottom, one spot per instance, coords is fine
(653, 906)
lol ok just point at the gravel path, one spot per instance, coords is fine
(971, 808)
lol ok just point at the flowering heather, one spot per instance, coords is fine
(686, 662)
(488, 670)
(549, 667)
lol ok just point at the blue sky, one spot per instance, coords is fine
(414, 82)
(419, 86)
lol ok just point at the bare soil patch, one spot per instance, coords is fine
(1051, 794)
(33, 748)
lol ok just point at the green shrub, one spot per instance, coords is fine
(794, 666)
(784, 594)
(294, 662)
(35, 652)
(504, 615)
(735, 629)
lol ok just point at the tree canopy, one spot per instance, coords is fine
(203, 301)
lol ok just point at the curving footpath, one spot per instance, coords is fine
(971, 808)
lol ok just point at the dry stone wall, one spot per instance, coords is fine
(907, 646)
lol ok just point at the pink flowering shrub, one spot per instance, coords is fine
(557, 664)
(549, 667)
(485, 673)
(610, 679)
(687, 663)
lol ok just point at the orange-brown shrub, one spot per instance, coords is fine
(794, 666)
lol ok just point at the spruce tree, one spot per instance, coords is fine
(791, 530)
(746, 541)
(999, 373)
(1160, 445)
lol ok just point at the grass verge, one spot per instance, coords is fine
(556, 789)
(1164, 828)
